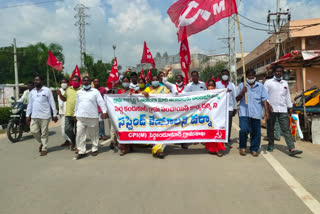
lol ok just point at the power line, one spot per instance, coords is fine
(259, 23)
(28, 4)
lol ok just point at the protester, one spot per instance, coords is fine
(25, 97)
(125, 148)
(62, 111)
(177, 88)
(225, 83)
(195, 85)
(103, 92)
(70, 98)
(142, 86)
(250, 114)
(214, 148)
(155, 88)
(41, 105)
(86, 113)
(280, 107)
(134, 79)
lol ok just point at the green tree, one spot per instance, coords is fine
(209, 71)
(32, 60)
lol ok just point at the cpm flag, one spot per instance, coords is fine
(53, 62)
(76, 72)
(149, 76)
(142, 76)
(198, 15)
(113, 79)
(185, 60)
(147, 56)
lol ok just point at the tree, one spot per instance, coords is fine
(209, 71)
(32, 60)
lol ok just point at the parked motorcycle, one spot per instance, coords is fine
(17, 125)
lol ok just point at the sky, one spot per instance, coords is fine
(127, 23)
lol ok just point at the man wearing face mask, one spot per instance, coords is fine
(62, 111)
(133, 77)
(225, 83)
(280, 107)
(41, 103)
(250, 114)
(87, 117)
(70, 98)
(177, 88)
(195, 85)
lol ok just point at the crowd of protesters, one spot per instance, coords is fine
(83, 110)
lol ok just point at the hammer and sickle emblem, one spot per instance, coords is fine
(183, 21)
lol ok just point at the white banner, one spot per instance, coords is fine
(185, 118)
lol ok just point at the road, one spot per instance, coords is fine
(186, 181)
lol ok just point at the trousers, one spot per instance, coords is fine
(39, 130)
(90, 126)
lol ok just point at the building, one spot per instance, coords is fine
(302, 35)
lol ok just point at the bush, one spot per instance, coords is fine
(4, 115)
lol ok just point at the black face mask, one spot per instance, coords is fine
(38, 85)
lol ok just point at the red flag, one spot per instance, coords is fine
(76, 72)
(53, 62)
(218, 79)
(213, 78)
(142, 74)
(149, 76)
(185, 59)
(147, 56)
(113, 79)
(198, 15)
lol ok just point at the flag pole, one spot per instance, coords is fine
(242, 59)
(55, 79)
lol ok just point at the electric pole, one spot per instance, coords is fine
(232, 48)
(277, 24)
(15, 69)
(114, 50)
(81, 23)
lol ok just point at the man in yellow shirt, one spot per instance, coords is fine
(70, 97)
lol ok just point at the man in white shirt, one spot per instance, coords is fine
(41, 103)
(87, 116)
(62, 111)
(225, 83)
(133, 79)
(279, 105)
(25, 97)
(177, 88)
(195, 85)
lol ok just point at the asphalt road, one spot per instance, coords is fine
(186, 181)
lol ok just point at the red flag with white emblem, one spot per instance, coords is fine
(53, 62)
(147, 56)
(76, 72)
(198, 15)
(113, 79)
(142, 74)
(185, 59)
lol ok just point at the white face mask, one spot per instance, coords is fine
(225, 77)
(125, 84)
(179, 84)
(251, 81)
(64, 85)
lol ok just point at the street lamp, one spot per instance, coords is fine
(114, 50)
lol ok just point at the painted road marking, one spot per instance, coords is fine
(300, 191)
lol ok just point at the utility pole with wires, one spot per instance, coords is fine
(15, 69)
(278, 22)
(232, 48)
(81, 23)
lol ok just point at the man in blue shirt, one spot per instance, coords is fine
(250, 114)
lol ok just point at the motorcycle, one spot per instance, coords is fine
(17, 125)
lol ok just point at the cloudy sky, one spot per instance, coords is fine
(127, 23)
